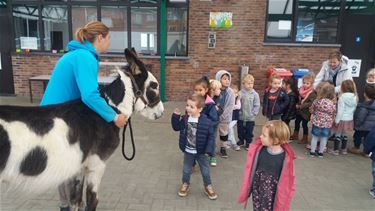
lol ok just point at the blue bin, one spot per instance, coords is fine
(298, 74)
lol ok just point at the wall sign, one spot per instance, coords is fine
(221, 20)
(30, 43)
(355, 66)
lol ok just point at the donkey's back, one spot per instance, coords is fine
(40, 147)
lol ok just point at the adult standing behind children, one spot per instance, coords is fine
(275, 100)
(75, 76)
(249, 110)
(227, 99)
(335, 70)
(196, 140)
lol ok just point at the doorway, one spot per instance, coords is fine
(6, 71)
(358, 43)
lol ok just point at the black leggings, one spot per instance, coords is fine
(297, 123)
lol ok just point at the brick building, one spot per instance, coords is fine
(265, 33)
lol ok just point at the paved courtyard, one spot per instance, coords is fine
(151, 180)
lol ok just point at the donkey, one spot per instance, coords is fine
(41, 147)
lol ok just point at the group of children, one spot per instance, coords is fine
(215, 106)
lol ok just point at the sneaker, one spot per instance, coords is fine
(240, 143)
(223, 152)
(364, 155)
(312, 154)
(226, 144)
(236, 147)
(213, 161)
(354, 150)
(247, 146)
(344, 152)
(320, 155)
(184, 189)
(308, 146)
(209, 191)
(372, 193)
(333, 152)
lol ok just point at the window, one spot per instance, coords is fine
(360, 7)
(55, 22)
(3, 3)
(48, 25)
(304, 21)
(144, 30)
(176, 31)
(317, 21)
(26, 27)
(82, 15)
(115, 18)
(279, 20)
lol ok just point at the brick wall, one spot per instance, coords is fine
(242, 44)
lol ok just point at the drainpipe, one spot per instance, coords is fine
(163, 37)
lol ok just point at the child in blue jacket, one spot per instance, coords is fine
(195, 141)
(369, 148)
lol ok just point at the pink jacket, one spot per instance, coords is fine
(286, 186)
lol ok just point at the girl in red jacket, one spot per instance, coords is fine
(269, 171)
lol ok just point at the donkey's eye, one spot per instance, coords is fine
(154, 85)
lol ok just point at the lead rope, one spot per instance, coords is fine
(132, 141)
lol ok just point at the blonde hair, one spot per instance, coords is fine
(91, 31)
(309, 77)
(274, 76)
(326, 90)
(371, 72)
(215, 84)
(278, 132)
(335, 55)
(198, 99)
(248, 78)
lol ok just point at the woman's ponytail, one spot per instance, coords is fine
(91, 30)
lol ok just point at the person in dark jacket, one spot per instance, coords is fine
(275, 100)
(364, 119)
(195, 141)
(369, 148)
(291, 89)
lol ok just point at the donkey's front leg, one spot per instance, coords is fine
(94, 173)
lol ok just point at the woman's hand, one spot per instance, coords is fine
(121, 120)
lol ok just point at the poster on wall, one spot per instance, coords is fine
(305, 31)
(355, 66)
(30, 43)
(221, 20)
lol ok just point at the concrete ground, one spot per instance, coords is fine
(151, 180)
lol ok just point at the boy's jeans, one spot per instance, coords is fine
(203, 165)
(373, 175)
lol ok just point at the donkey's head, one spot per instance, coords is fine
(136, 89)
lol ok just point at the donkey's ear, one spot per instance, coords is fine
(132, 61)
(133, 49)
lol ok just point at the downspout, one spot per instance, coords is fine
(163, 37)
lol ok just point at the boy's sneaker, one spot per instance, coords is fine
(320, 155)
(223, 152)
(213, 161)
(184, 189)
(240, 143)
(344, 152)
(334, 152)
(372, 193)
(209, 191)
(226, 144)
(236, 147)
(354, 150)
(247, 146)
(312, 154)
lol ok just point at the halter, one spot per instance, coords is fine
(139, 93)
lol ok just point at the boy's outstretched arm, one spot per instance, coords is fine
(176, 120)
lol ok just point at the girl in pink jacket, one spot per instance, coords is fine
(269, 171)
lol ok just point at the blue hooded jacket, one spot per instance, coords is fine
(75, 76)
